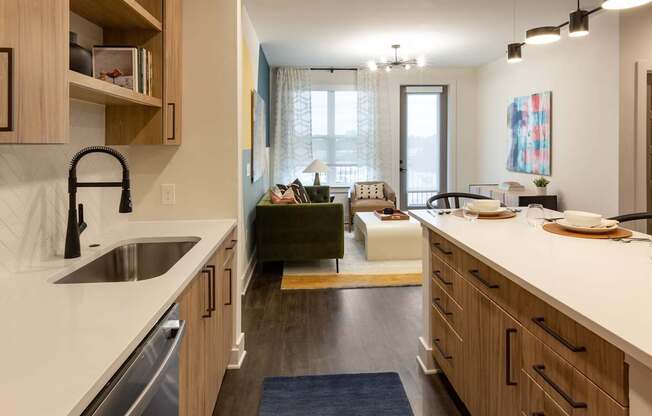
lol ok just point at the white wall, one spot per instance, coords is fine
(462, 114)
(583, 75)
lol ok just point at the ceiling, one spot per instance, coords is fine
(344, 33)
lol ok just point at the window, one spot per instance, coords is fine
(334, 134)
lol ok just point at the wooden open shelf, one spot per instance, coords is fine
(83, 87)
(116, 14)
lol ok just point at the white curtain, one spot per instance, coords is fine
(374, 129)
(292, 141)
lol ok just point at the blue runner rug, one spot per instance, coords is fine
(375, 394)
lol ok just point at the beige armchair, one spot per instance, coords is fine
(369, 205)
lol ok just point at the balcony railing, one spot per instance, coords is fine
(418, 199)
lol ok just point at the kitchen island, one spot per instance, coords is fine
(539, 323)
(63, 342)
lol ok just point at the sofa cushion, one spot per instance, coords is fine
(371, 204)
(370, 191)
(300, 194)
(278, 196)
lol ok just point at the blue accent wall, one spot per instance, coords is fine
(253, 192)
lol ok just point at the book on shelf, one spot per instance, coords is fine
(124, 65)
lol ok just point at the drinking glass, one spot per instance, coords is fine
(470, 215)
(535, 215)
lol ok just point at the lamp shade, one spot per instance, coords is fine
(542, 35)
(317, 166)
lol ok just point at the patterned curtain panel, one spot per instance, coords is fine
(374, 132)
(292, 140)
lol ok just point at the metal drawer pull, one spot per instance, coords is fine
(540, 370)
(230, 287)
(541, 323)
(435, 303)
(436, 342)
(235, 242)
(538, 414)
(476, 274)
(437, 274)
(211, 269)
(508, 358)
(438, 247)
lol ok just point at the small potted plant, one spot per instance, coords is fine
(542, 185)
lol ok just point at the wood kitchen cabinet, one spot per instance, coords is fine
(206, 306)
(36, 31)
(516, 355)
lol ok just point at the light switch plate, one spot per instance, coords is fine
(168, 192)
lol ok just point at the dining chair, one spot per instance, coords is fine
(633, 217)
(435, 201)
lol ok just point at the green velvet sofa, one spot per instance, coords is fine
(301, 231)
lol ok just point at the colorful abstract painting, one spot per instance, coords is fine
(529, 128)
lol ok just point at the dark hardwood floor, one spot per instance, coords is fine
(327, 332)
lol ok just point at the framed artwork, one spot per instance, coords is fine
(529, 127)
(6, 90)
(258, 137)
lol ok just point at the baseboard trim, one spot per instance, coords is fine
(249, 273)
(424, 358)
(238, 353)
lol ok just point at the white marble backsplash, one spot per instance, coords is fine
(34, 193)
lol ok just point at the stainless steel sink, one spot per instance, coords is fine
(132, 262)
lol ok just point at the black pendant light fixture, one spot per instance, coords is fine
(543, 35)
(623, 4)
(578, 24)
(514, 53)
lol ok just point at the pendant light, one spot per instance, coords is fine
(623, 4)
(542, 35)
(578, 24)
(514, 49)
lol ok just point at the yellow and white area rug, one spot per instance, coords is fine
(355, 271)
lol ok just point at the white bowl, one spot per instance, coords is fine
(582, 219)
(485, 205)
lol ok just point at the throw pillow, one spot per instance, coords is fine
(300, 193)
(280, 197)
(370, 191)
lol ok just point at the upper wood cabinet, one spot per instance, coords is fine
(37, 31)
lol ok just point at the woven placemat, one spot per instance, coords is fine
(558, 229)
(502, 216)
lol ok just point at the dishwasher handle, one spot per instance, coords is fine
(150, 390)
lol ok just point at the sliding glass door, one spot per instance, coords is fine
(423, 144)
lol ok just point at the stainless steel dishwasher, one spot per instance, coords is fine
(148, 383)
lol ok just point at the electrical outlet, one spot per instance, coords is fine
(168, 196)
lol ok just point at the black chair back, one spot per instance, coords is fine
(437, 200)
(633, 217)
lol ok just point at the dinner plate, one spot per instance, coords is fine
(605, 227)
(487, 213)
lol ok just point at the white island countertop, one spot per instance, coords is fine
(604, 285)
(62, 343)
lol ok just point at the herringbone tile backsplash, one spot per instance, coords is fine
(34, 193)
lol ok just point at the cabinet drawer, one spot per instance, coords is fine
(447, 278)
(597, 359)
(534, 401)
(574, 393)
(445, 250)
(446, 349)
(447, 308)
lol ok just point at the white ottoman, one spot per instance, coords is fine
(388, 240)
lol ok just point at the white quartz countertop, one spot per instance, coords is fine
(62, 343)
(604, 285)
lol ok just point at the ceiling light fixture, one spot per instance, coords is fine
(542, 35)
(578, 24)
(403, 61)
(514, 49)
(623, 4)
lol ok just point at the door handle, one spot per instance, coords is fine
(540, 370)
(402, 170)
(541, 323)
(209, 309)
(230, 287)
(211, 270)
(485, 282)
(436, 342)
(437, 273)
(508, 356)
(173, 107)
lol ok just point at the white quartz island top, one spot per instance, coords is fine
(62, 343)
(604, 285)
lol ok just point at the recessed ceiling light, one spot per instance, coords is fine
(543, 35)
(623, 4)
